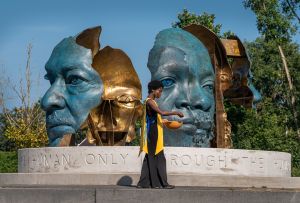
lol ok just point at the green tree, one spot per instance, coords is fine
(22, 126)
(272, 21)
(26, 127)
(277, 110)
(186, 18)
(291, 7)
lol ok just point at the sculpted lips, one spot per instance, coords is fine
(188, 120)
(52, 121)
(55, 124)
(188, 123)
(194, 121)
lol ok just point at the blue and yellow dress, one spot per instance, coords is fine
(154, 173)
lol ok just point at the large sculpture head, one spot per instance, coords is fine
(115, 118)
(76, 87)
(182, 63)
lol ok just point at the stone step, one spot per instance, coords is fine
(92, 179)
(103, 194)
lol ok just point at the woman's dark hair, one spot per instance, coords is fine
(154, 85)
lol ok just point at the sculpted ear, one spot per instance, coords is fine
(89, 39)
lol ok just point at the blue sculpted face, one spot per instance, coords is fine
(182, 64)
(75, 89)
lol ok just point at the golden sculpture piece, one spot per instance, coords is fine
(114, 120)
(239, 92)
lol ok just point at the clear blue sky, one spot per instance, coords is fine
(128, 25)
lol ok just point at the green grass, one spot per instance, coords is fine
(8, 162)
(295, 172)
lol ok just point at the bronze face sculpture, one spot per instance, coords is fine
(92, 89)
(115, 118)
(75, 88)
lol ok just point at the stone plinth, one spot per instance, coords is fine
(118, 194)
(180, 160)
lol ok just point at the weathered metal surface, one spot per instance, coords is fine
(232, 47)
(75, 88)
(98, 89)
(115, 118)
(242, 91)
(90, 88)
(182, 63)
(223, 81)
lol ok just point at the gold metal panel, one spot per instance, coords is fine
(89, 39)
(114, 120)
(118, 75)
(239, 92)
(232, 47)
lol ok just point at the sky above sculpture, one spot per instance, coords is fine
(128, 25)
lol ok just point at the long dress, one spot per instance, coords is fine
(154, 173)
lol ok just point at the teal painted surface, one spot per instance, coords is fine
(75, 89)
(182, 63)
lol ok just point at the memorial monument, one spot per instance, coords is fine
(98, 90)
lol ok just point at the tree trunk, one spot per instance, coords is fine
(293, 100)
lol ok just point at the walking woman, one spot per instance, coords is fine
(154, 173)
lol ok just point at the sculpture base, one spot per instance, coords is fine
(180, 160)
(87, 174)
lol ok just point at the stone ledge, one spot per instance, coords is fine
(103, 194)
(48, 179)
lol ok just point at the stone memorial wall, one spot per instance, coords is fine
(180, 160)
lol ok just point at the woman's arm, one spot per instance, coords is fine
(163, 113)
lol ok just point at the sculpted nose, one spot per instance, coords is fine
(202, 101)
(182, 102)
(194, 99)
(53, 99)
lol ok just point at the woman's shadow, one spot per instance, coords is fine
(125, 181)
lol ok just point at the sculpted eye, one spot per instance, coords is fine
(209, 87)
(126, 101)
(168, 82)
(74, 80)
